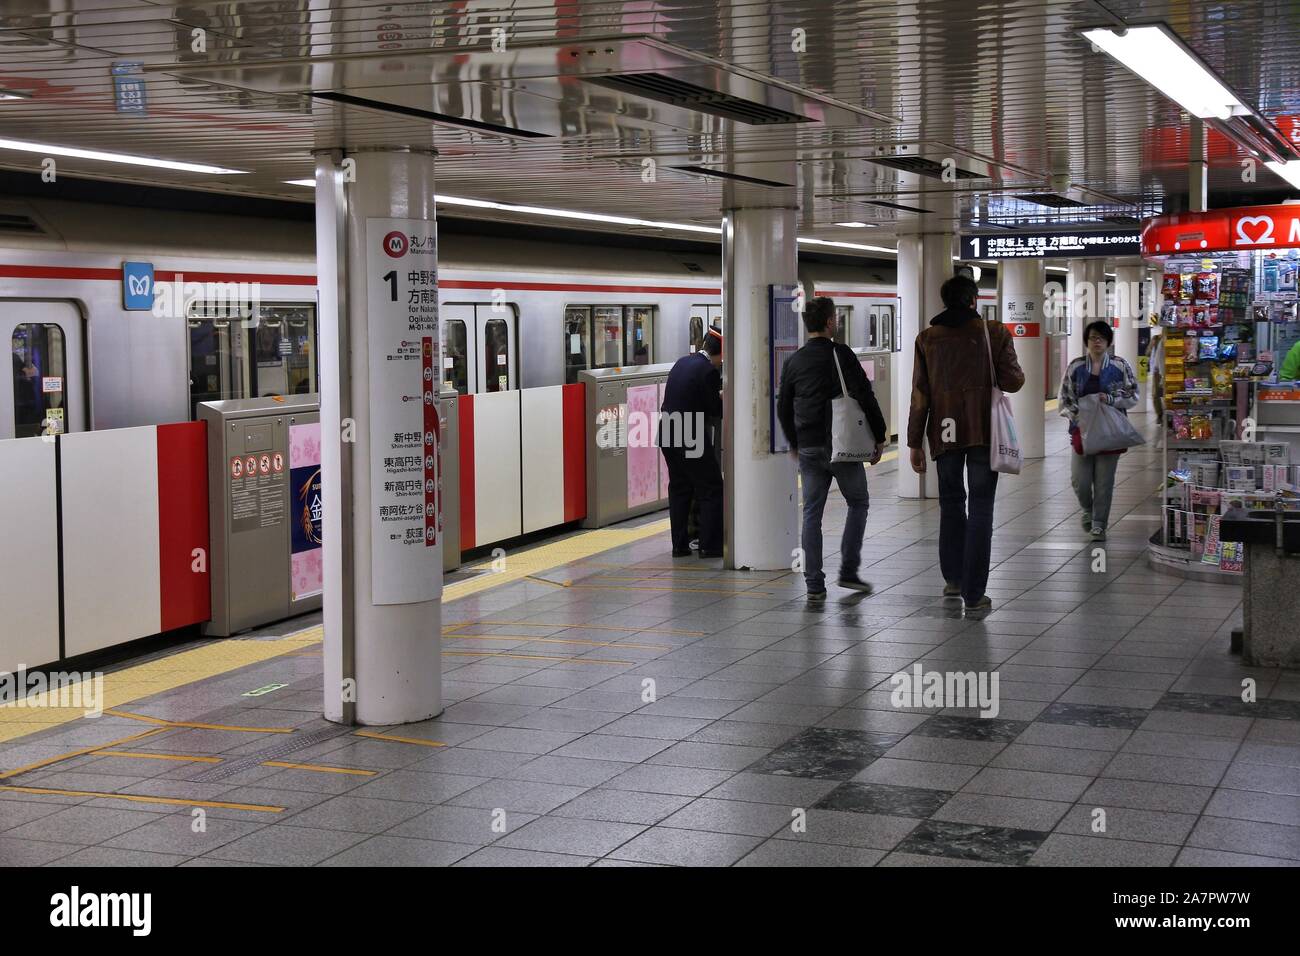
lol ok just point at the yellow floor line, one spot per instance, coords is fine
(556, 640)
(419, 741)
(145, 755)
(149, 678)
(318, 768)
(139, 798)
(77, 753)
(521, 564)
(198, 726)
(558, 584)
(534, 657)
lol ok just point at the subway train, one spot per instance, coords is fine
(516, 313)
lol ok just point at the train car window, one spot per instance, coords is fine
(991, 313)
(455, 356)
(843, 315)
(888, 329)
(577, 342)
(40, 380)
(607, 336)
(496, 356)
(640, 334)
(271, 351)
(697, 330)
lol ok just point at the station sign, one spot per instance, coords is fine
(1223, 230)
(1053, 245)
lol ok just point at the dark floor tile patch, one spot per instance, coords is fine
(972, 728)
(967, 841)
(1094, 715)
(883, 798)
(826, 753)
(1265, 708)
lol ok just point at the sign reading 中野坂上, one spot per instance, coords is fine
(402, 300)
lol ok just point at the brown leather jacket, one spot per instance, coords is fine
(951, 379)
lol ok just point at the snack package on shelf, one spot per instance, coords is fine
(1208, 348)
(1180, 426)
(1221, 381)
(1170, 285)
(1201, 427)
(1205, 287)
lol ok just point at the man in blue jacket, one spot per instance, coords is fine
(809, 382)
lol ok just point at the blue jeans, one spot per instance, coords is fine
(816, 472)
(966, 539)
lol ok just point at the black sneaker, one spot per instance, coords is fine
(854, 583)
(817, 597)
(983, 604)
(952, 590)
(710, 554)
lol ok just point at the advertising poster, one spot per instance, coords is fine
(642, 457)
(306, 570)
(402, 300)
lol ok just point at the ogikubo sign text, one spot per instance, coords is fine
(1223, 230)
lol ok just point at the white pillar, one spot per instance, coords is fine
(924, 264)
(1020, 300)
(383, 574)
(1127, 312)
(1087, 299)
(762, 527)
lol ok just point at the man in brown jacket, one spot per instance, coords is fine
(952, 406)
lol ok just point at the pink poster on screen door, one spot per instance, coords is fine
(306, 571)
(642, 455)
(663, 464)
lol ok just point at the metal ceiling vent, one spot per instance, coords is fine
(16, 223)
(1051, 200)
(478, 126)
(668, 89)
(924, 167)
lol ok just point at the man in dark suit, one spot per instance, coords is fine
(692, 396)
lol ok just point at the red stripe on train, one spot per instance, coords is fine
(183, 525)
(575, 451)
(466, 406)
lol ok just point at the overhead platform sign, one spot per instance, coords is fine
(1053, 245)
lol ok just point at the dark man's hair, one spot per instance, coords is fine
(1102, 328)
(817, 312)
(959, 292)
(713, 342)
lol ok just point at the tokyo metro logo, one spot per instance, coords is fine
(395, 244)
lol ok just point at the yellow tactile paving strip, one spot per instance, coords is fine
(152, 677)
(533, 561)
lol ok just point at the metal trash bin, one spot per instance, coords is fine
(1270, 583)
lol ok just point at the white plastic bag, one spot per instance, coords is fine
(1004, 440)
(1102, 427)
(851, 437)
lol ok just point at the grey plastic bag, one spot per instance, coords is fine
(1103, 427)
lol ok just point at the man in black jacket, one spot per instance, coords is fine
(808, 384)
(692, 396)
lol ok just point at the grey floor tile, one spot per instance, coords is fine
(743, 733)
(606, 746)
(1166, 769)
(1246, 836)
(1031, 784)
(917, 773)
(682, 781)
(400, 851)
(595, 838)
(287, 845)
(471, 825)
(768, 788)
(882, 798)
(517, 740)
(1061, 849)
(1195, 856)
(972, 842)
(503, 856)
(1124, 823)
(1072, 760)
(897, 858)
(1017, 813)
(176, 834)
(32, 852)
(417, 786)
(571, 771)
(686, 847)
(622, 806)
(1146, 795)
(86, 826)
(1263, 777)
(976, 753)
(875, 830)
(525, 796)
(1250, 805)
(791, 853)
(730, 816)
(357, 814)
(704, 756)
(114, 857)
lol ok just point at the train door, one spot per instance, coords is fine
(497, 329)
(881, 331)
(460, 368)
(703, 317)
(46, 391)
(640, 345)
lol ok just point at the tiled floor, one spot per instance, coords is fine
(666, 712)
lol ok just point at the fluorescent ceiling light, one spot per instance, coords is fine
(45, 149)
(571, 214)
(1159, 57)
(1288, 171)
(847, 245)
(857, 225)
(14, 95)
(301, 182)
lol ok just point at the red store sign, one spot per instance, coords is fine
(1223, 230)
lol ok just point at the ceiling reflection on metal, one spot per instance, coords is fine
(563, 102)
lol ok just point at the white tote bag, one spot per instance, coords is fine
(1103, 427)
(851, 437)
(1004, 440)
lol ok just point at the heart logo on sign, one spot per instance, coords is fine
(1265, 237)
